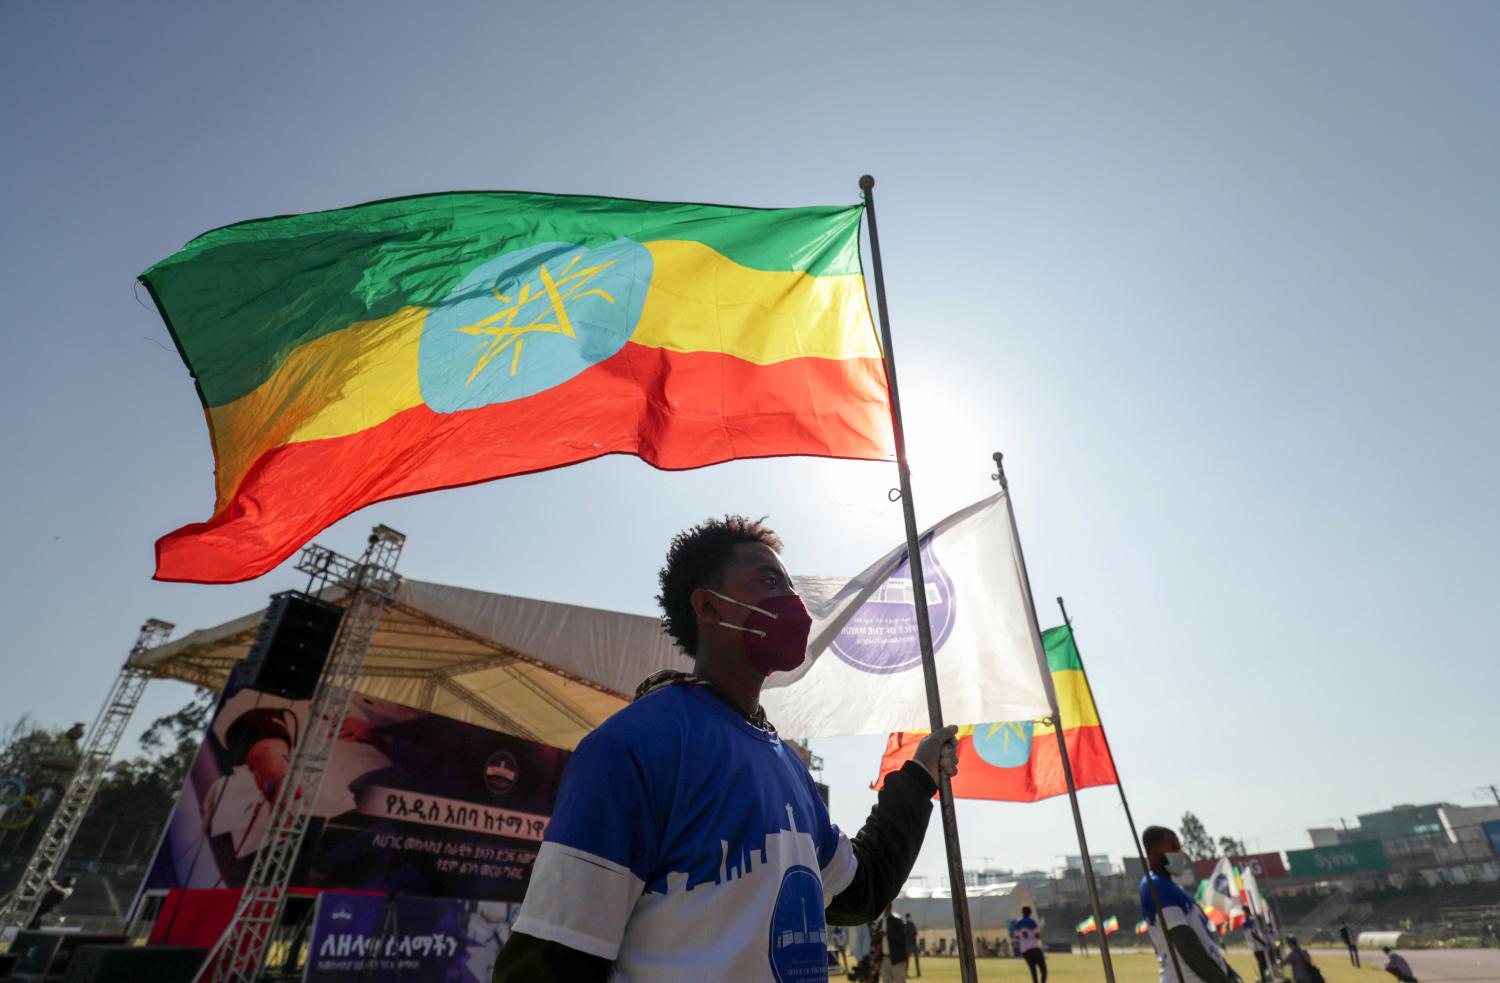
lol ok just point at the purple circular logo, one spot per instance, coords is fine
(882, 635)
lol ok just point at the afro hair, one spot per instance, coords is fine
(696, 559)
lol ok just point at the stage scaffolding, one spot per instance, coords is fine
(100, 742)
(242, 950)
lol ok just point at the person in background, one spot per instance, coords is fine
(1191, 934)
(877, 957)
(1273, 937)
(1398, 967)
(841, 946)
(893, 968)
(1348, 938)
(859, 943)
(912, 949)
(1028, 936)
(1255, 934)
(58, 891)
(1303, 970)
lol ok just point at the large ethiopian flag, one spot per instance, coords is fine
(350, 356)
(1019, 760)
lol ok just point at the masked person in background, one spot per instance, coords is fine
(1191, 933)
(688, 841)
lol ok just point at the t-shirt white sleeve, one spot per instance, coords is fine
(838, 871)
(837, 862)
(600, 849)
(578, 899)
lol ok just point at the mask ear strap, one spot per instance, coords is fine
(752, 607)
(748, 631)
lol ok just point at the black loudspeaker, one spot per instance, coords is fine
(291, 645)
(135, 964)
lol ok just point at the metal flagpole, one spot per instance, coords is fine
(961, 923)
(1135, 838)
(1057, 724)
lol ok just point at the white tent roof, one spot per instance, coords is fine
(542, 670)
(992, 907)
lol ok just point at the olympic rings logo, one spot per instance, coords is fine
(17, 808)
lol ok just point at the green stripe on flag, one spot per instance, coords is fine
(245, 296)
(1062, 654)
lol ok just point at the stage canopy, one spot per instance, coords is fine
(542, 670)
(992, 907)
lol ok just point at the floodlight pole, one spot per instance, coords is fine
(963, 929)
(240, 954)
(1057, 721)
(100, 742)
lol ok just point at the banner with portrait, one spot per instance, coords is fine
(411, 802)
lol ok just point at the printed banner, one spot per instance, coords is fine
(362, 938)
(412, 803)
(1264, 865)
(1347, 858)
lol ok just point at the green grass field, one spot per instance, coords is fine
(1132, 967)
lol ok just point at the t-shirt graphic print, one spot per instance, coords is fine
(688, 844)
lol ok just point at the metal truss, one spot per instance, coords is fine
(241, 952)
(99, 746)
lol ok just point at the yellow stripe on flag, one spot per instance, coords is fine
(700, 301)
(339, 384)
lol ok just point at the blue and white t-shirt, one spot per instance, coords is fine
(688, 844)
(1028, 934)
(1178, 908)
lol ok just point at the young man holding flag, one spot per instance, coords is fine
(688, 841)
(1181, 920)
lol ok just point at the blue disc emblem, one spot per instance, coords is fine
(530, 320)
(799, 936)
(1004, 745)
(881, 637)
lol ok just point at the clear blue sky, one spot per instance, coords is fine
(1220, 281)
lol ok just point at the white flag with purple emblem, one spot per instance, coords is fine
(863, 673)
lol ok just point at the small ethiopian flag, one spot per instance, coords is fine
(1111, 925)
(1019, 760)
(356, 355)
(1142, 927)
(1086, 926)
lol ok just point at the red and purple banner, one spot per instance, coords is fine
(411, 803)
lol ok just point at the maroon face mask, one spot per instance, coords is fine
(775, 633)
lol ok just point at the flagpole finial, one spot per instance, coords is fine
(999, 474)
(866, 183)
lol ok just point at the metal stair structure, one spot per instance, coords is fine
(100, 743)
(240, 955)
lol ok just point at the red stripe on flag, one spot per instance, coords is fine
(1040, 777)
(674, 410)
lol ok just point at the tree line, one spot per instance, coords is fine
(131, 807)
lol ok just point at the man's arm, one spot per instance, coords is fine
(1191, 951)
(887, 846)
